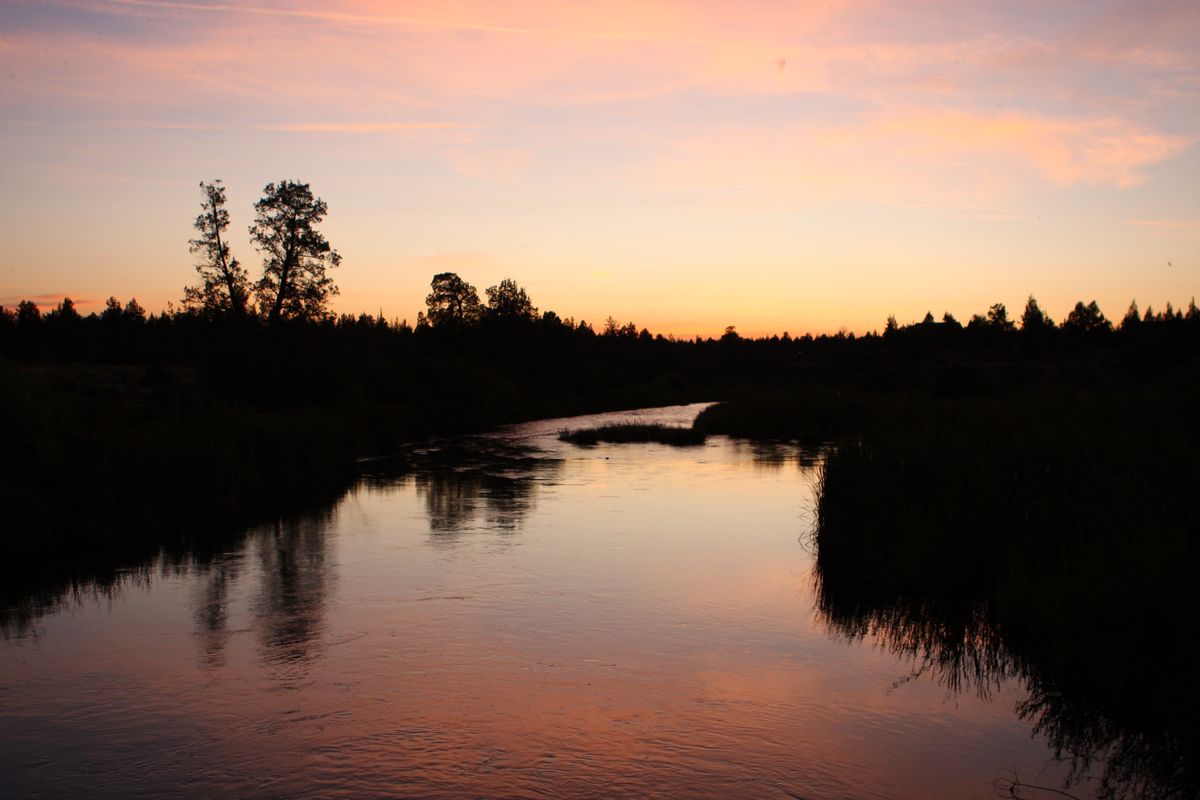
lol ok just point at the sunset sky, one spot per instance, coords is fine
(687, 166)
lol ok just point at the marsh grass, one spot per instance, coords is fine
(624, 433)
(812, 417)
(1047, 535)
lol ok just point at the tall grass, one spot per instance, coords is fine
(1054, 536)
(628, 432)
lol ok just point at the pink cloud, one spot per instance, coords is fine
(438, 53)
(48, 301)
(916, 157)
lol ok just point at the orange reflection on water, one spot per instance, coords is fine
(617, 621)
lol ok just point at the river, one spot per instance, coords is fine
(511, 617)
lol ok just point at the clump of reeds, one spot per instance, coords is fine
(813, 416)
(622, 433)
(1050, 534)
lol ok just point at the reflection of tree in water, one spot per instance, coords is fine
(1139, 733)
(295, 574)
(213, 555)
(776, 455)
(451, 499)
(212, 605)
(454, 501)
(482, 483)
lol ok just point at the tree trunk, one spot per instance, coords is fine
(237, 303)
(289, 255)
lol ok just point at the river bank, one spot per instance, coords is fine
(103, 464)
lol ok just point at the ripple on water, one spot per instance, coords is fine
(617, 621)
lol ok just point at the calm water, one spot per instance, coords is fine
(629, 620)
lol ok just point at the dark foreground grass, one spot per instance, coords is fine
(813, 416)
(1050, 536)
(624, 433)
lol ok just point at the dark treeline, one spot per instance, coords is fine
(457, 325)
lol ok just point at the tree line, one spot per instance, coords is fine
(295, 287)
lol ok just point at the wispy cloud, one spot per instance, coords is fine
(1169, 224)
(364, 127)
(1170, 228)
(369, 127)
(366, 20)
(916, 157)
(46, 300)
(989, 215)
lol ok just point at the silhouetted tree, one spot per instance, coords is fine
(1033, 319)
(949, 321)
(28, 314)
(112, 311)
(224, 285)
(1086, 319)
(613, 328)
(509, 302)
(64, 312)
(296, 255)
(452, 302)
(134, 311)
(928, 318)
(997, 318)
(8, 320)
(1132, 318)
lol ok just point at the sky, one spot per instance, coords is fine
(807, 167)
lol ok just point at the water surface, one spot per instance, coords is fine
(622, 621)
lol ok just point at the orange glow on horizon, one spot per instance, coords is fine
(772, 166)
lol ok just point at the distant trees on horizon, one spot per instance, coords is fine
(295, 287)
(453, 305)
(1086, 319)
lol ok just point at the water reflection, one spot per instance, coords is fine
(466, 485)
(217, 578)
(479, 483)
(295, 581)
(1127, 735)
(89, 577)
(770, 455)
(650, 634)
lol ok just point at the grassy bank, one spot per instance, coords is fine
(1052, 535)
(627, 433)
(103, 464)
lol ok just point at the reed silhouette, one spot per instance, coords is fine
(624, 433)
(1049, 536)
